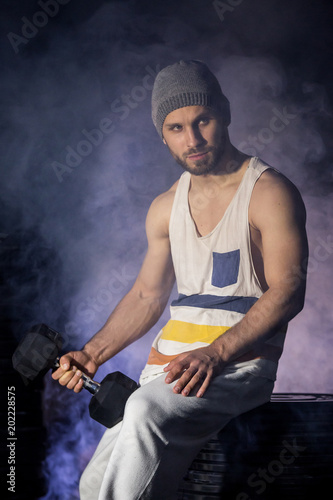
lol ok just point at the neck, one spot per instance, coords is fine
(232, 164)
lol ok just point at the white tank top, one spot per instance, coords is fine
(216, 280)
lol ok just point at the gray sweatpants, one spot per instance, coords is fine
(145, 456)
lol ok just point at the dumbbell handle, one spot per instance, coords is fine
(88, 383)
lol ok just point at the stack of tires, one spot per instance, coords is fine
(282, 450)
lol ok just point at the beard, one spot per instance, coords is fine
(207, 165)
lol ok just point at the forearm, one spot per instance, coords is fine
(131, 319)
(266, 317)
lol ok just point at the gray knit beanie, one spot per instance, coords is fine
(186, 83)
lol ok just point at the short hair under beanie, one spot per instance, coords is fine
(186, 83)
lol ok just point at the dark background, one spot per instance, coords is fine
(73, 212)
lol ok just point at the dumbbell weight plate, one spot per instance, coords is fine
(36, 352)
(107, 405)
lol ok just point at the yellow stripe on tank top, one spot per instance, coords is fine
(180, 331)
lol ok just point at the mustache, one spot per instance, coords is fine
(197, 151)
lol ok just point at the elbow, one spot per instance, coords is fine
(289, 299)
(298, 307)
(297, 302)
(155, 300)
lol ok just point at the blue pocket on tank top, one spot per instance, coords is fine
(225, 268)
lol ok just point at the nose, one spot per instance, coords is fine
(194, 137)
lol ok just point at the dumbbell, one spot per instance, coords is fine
(38, 352)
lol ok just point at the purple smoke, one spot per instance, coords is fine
(83, 162)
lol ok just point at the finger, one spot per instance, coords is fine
(70, 377)
(75, 380)
(65, 362)
(79, 386)
(176, 371)
(188, 384)
(204, 386)
(66, 378)
(178, 360)
(185, 379)
(76, 384)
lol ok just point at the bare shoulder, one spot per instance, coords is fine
(159, 212)
(275, 196)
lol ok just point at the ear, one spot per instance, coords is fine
(164, 140)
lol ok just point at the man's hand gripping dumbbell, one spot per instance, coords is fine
(38, 352)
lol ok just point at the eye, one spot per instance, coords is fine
(204, 121)
(176, 128)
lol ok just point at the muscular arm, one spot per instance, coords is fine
(138, 311)
(277, 214)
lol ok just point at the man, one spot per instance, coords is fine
(231, 231)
